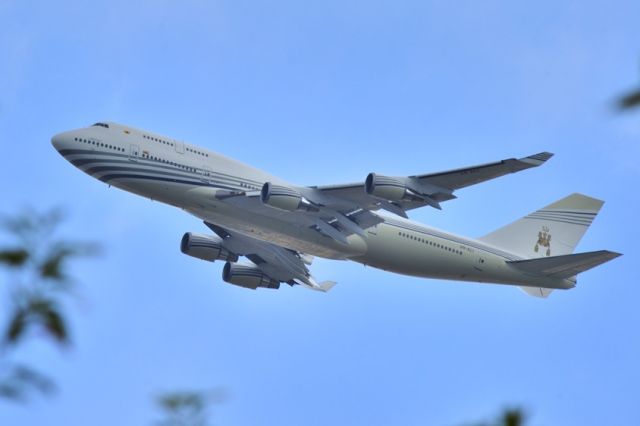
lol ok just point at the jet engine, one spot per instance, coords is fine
(247, 276)
(205, 247)
(387, 188)
(284, 198)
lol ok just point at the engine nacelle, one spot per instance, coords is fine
(387, 188)
(284, 198)
(205, 247)
(247, 276)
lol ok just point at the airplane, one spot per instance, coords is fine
(279, 227)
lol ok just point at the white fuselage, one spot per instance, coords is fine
(188, 177)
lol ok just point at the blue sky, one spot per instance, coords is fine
(323, 93)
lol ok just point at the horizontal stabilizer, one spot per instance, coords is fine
(565, 266)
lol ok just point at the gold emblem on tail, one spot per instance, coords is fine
(544, 240)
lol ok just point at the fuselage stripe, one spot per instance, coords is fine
(162, 170)
(142, 160)
(108, 178)
(565, 216)
(568, 212)
(555, 219)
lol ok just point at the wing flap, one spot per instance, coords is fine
(565, 266)
(537, 291)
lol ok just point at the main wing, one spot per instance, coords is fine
(398, 194)
(277, 263)
(338, 211)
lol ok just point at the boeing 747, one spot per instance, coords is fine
(278, 226)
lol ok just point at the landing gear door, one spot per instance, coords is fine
(134, 152)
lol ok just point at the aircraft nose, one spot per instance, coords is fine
(60, 140)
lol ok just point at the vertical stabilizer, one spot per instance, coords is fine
(551, 231)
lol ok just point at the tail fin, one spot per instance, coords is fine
(551, 231)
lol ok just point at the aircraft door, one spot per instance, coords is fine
(134, 152)
(206, 174)
(179, 147)
(478, 259)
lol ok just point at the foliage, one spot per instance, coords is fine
(188, 408)
(19, 380)
(631, 100)
(509, 417)
(512, 418)
(36, 263)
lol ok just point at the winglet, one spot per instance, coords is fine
(537, 159)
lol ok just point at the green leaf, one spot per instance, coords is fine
(52, 267)
(14, 257)
(513, 418)
(20, 380)
(632, 100)
(179, 401)
(45, 313)
(17, 326)
(54, 323)
(31, 223)
(39, 312)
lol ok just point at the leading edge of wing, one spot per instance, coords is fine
(467, 176)
(517, 164)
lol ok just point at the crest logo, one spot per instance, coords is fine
(544, 240)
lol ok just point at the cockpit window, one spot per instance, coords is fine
(106, 126)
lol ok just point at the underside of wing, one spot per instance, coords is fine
(270, 265)
(333, 218)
